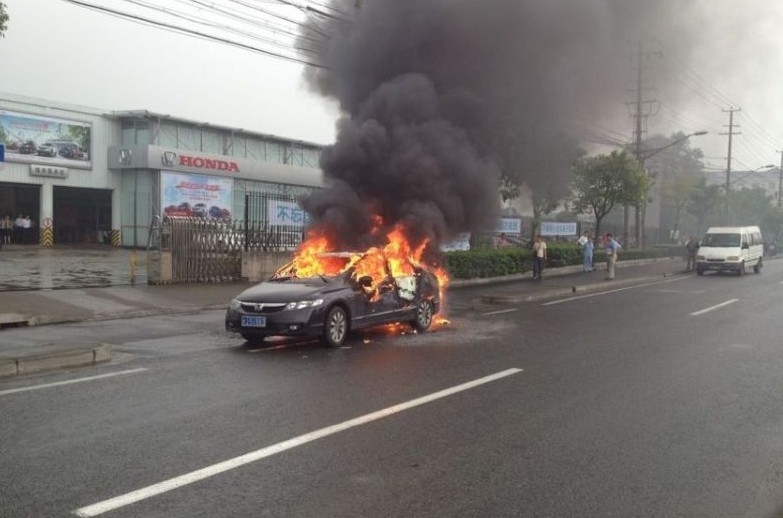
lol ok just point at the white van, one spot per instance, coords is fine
(730, 248)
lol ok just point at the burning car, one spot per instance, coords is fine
(329, 294)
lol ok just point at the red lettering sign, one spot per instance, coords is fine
(208, 163)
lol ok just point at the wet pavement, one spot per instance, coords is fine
(59, 285)
(32, 267)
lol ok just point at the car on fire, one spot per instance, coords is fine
(341, 298)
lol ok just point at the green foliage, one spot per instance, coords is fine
(602, 182)
(481, 263)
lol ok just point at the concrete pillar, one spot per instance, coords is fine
(159, 267)
(116, 216)
(46, 214)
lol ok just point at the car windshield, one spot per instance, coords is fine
(721, 240)
(319, 266)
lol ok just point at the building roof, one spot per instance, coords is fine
(146, 114)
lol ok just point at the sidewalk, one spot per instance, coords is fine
(28, 307)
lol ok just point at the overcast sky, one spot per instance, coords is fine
(59, 51)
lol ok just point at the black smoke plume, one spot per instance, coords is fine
(441, 97)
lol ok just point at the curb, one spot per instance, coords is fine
(562, 292)
(73, 357)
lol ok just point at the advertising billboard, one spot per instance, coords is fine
(35, 139)
(195, 195)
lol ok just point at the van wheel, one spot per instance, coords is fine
(757, 266)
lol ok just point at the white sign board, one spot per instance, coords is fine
(558, 228)
(286, 213)
(511, 226)
(461, 242)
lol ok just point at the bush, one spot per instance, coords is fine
(497, 262)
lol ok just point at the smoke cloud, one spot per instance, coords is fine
(442, 96)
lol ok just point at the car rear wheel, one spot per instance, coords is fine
(424, 314)
(335, 327)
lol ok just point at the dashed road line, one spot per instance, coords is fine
(713, 308)
(501, 311)
(69, 382)
(215, 469)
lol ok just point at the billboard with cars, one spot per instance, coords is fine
(36, 139)
(195, 195)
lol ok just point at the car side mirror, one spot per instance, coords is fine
(365, 281)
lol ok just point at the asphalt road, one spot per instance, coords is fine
(658, 400)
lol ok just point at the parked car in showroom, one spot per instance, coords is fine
(338, 299)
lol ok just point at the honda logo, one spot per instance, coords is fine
(126, 156)
(169, 159)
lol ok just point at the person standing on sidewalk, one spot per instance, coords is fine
(587, 246)
(611, 247)
(691, 248)
(539, 256)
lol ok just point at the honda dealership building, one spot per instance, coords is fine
(87, 176)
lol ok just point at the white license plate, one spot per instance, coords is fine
(253, 321)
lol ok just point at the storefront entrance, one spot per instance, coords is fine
(82, 216)
(19, 200)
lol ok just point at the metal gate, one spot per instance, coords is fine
(209, 250)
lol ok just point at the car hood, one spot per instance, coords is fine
(284, 291)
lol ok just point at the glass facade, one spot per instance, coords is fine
(139, 205)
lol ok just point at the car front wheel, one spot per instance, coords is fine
(424, 314)
(335, 327)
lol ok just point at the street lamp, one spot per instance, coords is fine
(641, 208)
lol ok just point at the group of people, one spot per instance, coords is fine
(19, 231)
(586, 244)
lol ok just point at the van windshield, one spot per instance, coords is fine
(721, 240)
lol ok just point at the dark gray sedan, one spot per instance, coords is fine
(330, 304)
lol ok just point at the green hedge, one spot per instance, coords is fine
(491, 262)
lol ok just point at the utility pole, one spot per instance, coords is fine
(780, 178)
(640, 112)
(730, 133)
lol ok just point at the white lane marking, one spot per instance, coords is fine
(68, 382)
(501, 311)
(712, 308)
(579, 297)
(220, 467)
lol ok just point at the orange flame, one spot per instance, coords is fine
(311, 259)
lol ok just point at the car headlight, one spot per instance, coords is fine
(699, 257)
(235, 304)
(302, 304)
(733, 258)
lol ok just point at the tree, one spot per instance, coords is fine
(3, 19)
(603, 181)
(677, 171)
(552, 185)
(749, 206)
(703, 203)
